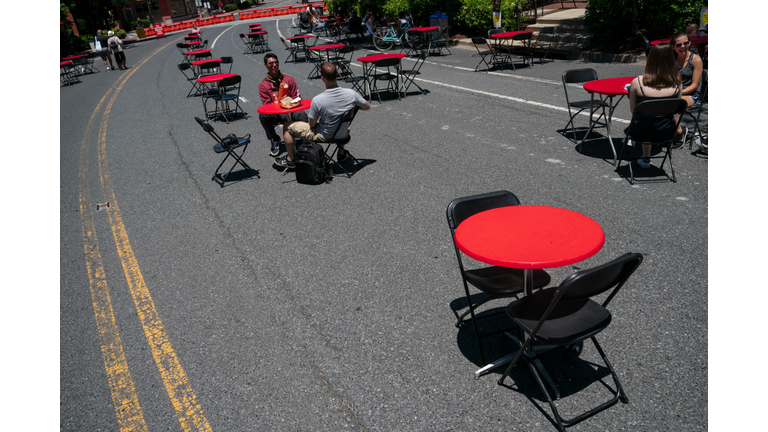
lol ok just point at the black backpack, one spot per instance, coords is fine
(113, 45)
(311, 165)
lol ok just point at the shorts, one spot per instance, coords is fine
(695, 98)
(104, 54)
(302, 130)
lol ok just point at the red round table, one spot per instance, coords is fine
(327, 48)
(368, 62)
(607, 89)
(275, 108)
(529, 237)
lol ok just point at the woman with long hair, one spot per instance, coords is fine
(690, 66)
(659, 80)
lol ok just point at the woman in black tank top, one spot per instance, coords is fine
(689, 65)
(659, 80)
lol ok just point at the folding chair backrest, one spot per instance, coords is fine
(206, 67)
(387, 62)
(282, 39)
(545, 31)
(480, 43)
(653, 110)
(229, 81)
(591, 282)
(346, 49)
(462, 208)
(495, 31)
(342, 129)
(227, 60)
(575, 76)
(703, 86)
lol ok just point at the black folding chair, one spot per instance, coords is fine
(388, 70)
(292, 48)
(250, 44)
(441, 42)
(228, 145)
(341, 138)
(698, 108)
(565, 316)
(543, 43)
(227, 61)
(485, 51)
(580, 76)
(495, 282)
(409, 75)
(228, 91)
(649, 118)
(88, 66)
(191, 77)
(523, 50)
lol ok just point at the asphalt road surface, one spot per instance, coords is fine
(272, 305)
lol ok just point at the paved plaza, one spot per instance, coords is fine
(273, 305)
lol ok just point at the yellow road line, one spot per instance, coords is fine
(188, 409)
(124, 397)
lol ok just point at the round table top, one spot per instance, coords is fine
(65, 62)
(376, 57)
(257, 33)
(275, 108)
(192, 43)
(529, 237)
(214, 78)
(299, 37)
(74, 57)
(197, 52)
(423, 29)
(199, 62)
(510, 34)
(609, 86)
(327, 46)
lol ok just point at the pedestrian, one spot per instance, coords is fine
(104, 52)
(116, 48)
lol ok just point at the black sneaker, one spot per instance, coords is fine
(342, 156)
(274, 148)
(284, 162)
(680, 138)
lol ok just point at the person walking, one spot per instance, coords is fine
(116, 48)
(104, 53)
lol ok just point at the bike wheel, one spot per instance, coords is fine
(380, 43)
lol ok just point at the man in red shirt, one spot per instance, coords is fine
(268, 90)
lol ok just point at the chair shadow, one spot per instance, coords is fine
(568, 371)
(653, 174)
(238, 176)
(351, 167)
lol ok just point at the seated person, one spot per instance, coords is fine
(659, 80)
(354, 25)
(324, 116)
(268, 91)
(370, 24)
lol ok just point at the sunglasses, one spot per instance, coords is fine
(273, 63)
(682, 44)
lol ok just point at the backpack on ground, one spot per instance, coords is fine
(311, 165)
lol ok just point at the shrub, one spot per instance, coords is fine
(246, 4)
(230, 8)
(476, 16)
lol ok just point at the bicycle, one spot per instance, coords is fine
(385, 38)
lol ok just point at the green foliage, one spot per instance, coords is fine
(663, 18)
(476, 16)
(246, 4)
(230, 8)
(610, 21)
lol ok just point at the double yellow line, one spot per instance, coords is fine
(124, 397)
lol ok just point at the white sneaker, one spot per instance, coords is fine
(108, 70)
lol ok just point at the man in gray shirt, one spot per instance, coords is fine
(325, 113)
